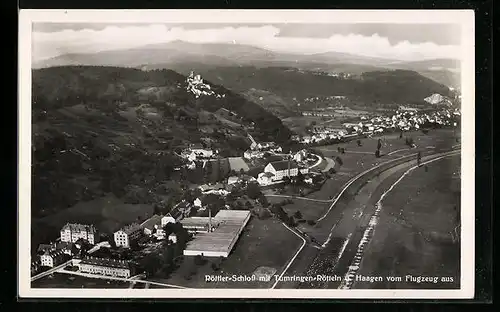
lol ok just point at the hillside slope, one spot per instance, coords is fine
(373, 88)
(99, 130)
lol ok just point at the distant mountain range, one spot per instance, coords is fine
(214, 54)
(177, 54)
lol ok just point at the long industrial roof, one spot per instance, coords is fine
(230, 223)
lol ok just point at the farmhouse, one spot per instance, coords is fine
(150, 225)
(281, 169)
(227, 226)
(127, 235)
(72, 232)
(107, 267)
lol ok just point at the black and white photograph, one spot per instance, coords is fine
(246, 154)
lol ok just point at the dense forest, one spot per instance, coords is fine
(106, 87)
(373, 88)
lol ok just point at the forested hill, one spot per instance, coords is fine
(105, 88)
(372, 88)
(101, 130)
(398, 86)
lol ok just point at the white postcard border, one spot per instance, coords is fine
(463, 17)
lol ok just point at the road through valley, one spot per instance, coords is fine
(345, 225)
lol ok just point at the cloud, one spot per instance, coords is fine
(50, 44)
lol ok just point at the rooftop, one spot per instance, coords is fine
(179, 209)
(230, 222)
(267, 174)
(130, 228)
(53, 253)
(232, 215)
(283, 165)
(151, 222)
(45, 247)
(103, 262)
(78, 227)
(54, 247)
(195, 222)
(206, 187)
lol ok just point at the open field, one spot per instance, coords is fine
(354, 163)
(359, 158)
(58, 280)
(299, 123)
(439, 138)
(262, 243)
(310, 210)
(349, 217)
(238, 163)
(415, 234)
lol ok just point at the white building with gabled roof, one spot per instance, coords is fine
(125, 236)
(281, 169)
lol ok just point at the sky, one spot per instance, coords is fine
(408, 42)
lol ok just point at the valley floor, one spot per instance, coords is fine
(418, 230)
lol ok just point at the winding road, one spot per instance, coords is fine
(345, 227)
(299, 197)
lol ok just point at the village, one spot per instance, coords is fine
(209, 219)
(209, 224)
(404, 119)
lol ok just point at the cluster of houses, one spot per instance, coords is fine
(404, 119)
(73, 236)
(318, 114)
(196, 86)
(257, 150)
(321, 133)
(334, 74)
(198, 152)
(332, 99)
(215, 188)
(70, 243)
